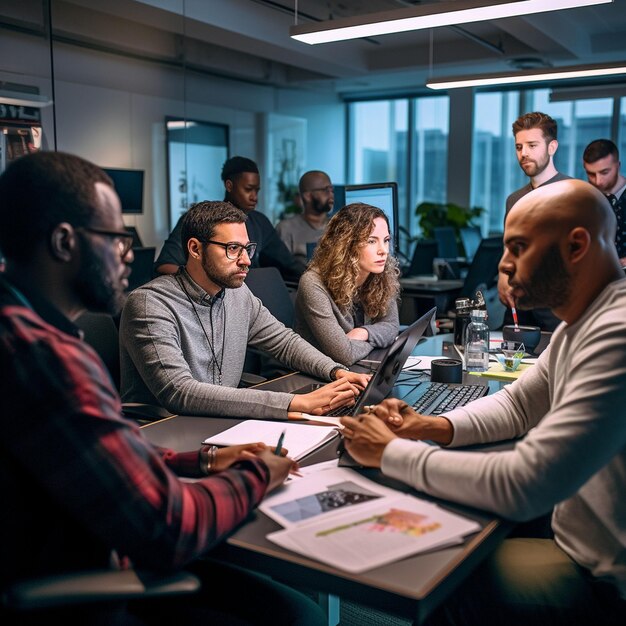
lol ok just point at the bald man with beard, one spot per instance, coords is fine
(301, 232)
(567, 415)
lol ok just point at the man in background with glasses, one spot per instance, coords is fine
(242, 184)
(184, 336)
(302, 231)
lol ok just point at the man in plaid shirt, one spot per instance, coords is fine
(82, 488)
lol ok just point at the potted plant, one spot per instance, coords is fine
(432, 215)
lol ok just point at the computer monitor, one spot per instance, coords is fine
(129, 187)
(381, 195)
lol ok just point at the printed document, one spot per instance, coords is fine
(340, 518)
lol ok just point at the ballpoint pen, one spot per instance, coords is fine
(279, 445)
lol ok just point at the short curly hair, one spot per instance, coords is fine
(336, 259)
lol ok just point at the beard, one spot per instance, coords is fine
(549, 286)
(223, 278)
(97, 289)
(322, 207)
(533, 168)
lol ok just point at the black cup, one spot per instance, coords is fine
(446, 371)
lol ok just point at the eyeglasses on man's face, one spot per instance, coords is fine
(235, 250)
(124, 239)
(327, 189)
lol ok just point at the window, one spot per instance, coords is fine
(495, 171)
(403, 141)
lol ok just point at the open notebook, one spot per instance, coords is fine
(299, 441)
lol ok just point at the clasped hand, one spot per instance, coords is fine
(368, 434)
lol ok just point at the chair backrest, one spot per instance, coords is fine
(102, 335)
(483, 270)
(446, 238)
(267, 284)
(141, 267)
(423, 256)
(470, 238)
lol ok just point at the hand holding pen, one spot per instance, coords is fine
(278, 451)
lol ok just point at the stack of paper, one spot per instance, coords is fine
(340, 518)
(299, 441)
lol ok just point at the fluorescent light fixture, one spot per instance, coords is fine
(529, 76)
(18, 99)
(430, 16)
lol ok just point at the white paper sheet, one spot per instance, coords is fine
(300, 439)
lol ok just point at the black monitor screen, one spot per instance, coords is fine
(129, 187)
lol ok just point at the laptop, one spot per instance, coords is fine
(384, 378)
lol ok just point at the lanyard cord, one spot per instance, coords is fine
(195, 310)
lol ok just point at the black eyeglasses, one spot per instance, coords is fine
(327, 189)
(124, 238)
(235, 250)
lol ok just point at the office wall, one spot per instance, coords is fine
(111, 108)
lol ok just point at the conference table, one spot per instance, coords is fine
(409, 588)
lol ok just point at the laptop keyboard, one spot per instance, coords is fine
(441, 397)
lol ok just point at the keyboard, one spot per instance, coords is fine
(438, 398)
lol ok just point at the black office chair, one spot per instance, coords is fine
(67, 596)
(267, 284)
(142, 267)
(483, 270)
(101, 333)
(470, 238)
(424, 254)
(482, 276)
(446, 238)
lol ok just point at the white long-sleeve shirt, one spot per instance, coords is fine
(570, 412)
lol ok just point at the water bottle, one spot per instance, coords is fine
(477, 342)
(461, 320)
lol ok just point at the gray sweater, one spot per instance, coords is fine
(570, 409)
(320, 321)
(167, 359)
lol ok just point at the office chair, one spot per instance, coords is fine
(267, 284)
(482, 276)
(142, 267)
(483, 270)
(470, 238)
(423, 256)
(446, 238)
(37, 599)
(101, 333)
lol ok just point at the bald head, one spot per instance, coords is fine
(560, 249)
(564, 205)
(316, 192)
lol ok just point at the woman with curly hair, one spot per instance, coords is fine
(346, 303)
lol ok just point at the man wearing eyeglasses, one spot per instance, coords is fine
(242, 184)
(302, 231)
(85, 489)
(184, 336)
